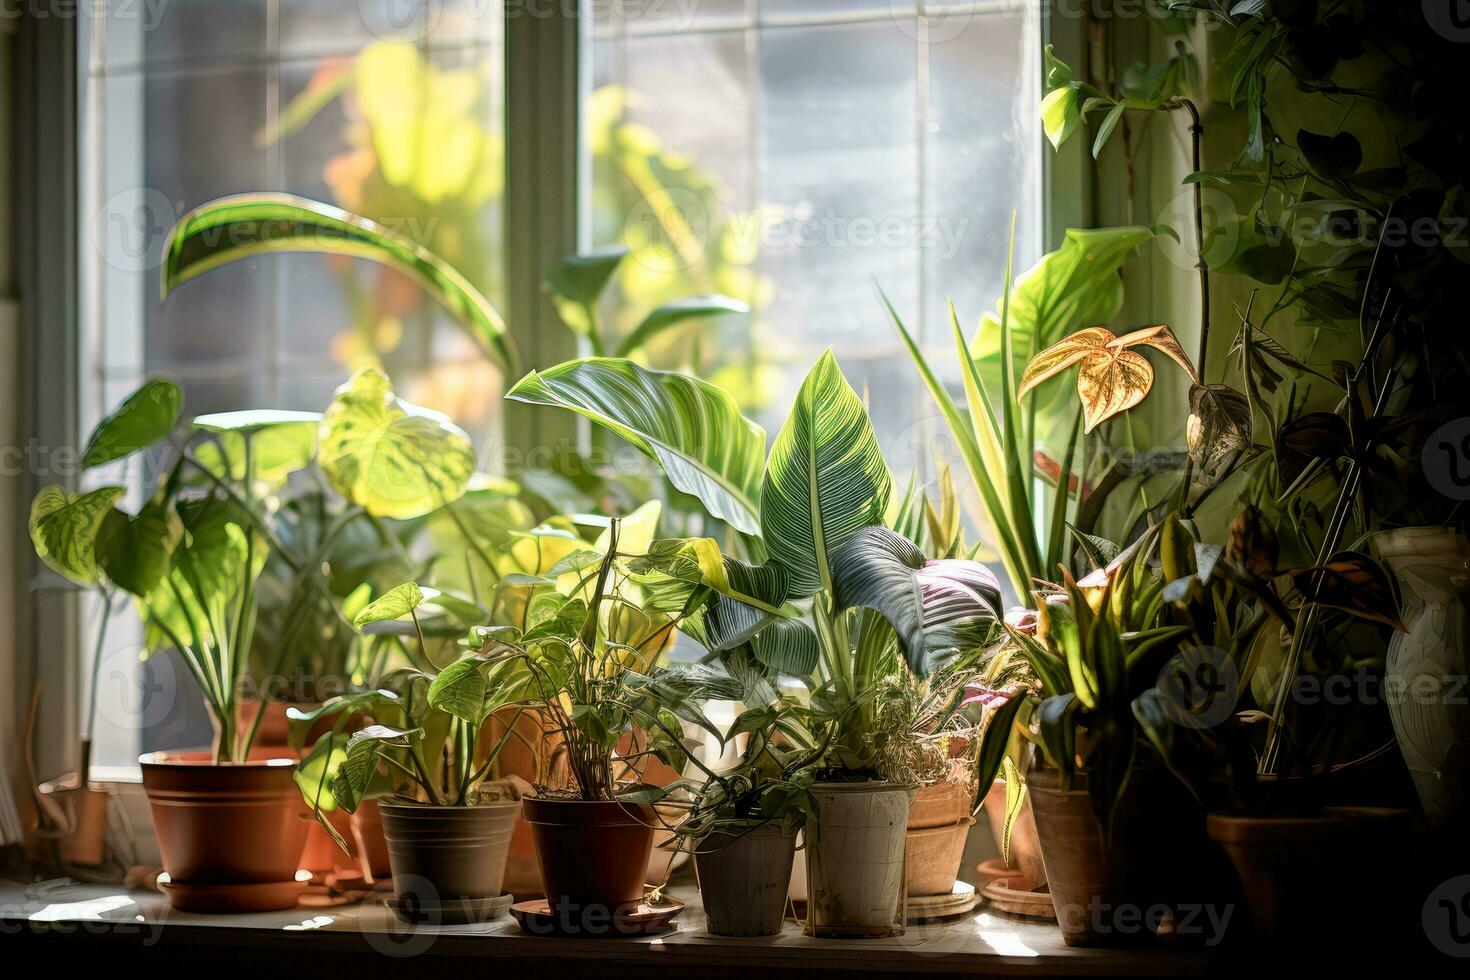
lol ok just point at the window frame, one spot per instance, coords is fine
(546, 181)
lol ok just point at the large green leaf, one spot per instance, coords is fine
(134, 552)
(390, 457)
(396, 603)
(575, 284)
(64, 528)
(249, 225)
(693, 429)
(146, 416)
(281, 442)
(787, 646)
(934, 605)
(355, 773)
(825, 479)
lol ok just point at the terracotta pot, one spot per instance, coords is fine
(238, 824)
(854, 858)
(372, 846)
(1158, 857)
(592, 853)
(941, 805)
(1025, 850)
(1303, 876)
(743, 879)
(443, 854)
(76, 818)
(932, 857)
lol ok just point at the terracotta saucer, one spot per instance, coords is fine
(928, 908)
(456, 912)
(1003, 898)
(644, 919)
(268, 896)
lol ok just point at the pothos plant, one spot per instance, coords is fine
(192, 554)
(835, 592)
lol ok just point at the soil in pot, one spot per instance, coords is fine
(1157, 875)
(443, 856)
(1304, 877)
(592, 853)
(236, 825)
(855, 852)
(743, 879)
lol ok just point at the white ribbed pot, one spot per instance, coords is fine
(854, 859)
(1426, 662)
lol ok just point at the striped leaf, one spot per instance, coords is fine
(825, 479)
(250, 225)
(692, 429)
(934, 605)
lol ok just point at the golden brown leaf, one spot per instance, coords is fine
(1110, 378)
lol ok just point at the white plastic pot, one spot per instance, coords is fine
(854, 858)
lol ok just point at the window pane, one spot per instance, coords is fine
(794, 158)
(390, 109)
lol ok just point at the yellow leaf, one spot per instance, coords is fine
(1160, 338)
(1062, 355)
(1112, 383)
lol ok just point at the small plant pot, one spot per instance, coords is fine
(854, 857)
(76, 818)
(1029, 872)
(932, 857)
(445, 857)
(1303, 875)
(592, 853)
(238, 824)
(743, 879)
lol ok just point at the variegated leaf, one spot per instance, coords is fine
(1112, 383)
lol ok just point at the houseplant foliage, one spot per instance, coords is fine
(836, 592)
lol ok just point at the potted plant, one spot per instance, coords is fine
(836, 592)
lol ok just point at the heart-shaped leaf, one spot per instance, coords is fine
(825, 479)
(64, 528)
(135, 552)
(396, 603)
(392, 458)
(281, 443)
(146, 416)
(360, 763)
(1110, 378)
(1219, 426)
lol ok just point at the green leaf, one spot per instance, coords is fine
(996, 740)
(359, 765)
(787, 646)
(1054, 718)
(396, 603)
(64, 529)
(1061, 114)
(135, 551)
(926, 601)
(825, 479)
(250, 225)
(281, 443)
(459, 690)
(693, 429)
(580, 279)
(672, 314)
(1109, 123)
(392, 458)
(146, 416)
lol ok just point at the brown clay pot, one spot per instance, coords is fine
(372, 846)
(237, 824)
(77, 817)
(1158, 857)
(592, 853)
(1303, 875)
(442, 854)
(939, 824)
(1025, 851)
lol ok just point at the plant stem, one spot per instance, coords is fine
(1196, 134)
(84, 765)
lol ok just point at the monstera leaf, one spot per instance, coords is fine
(825, 479)
(64, 528)
(392, 458)
(692, 429)
(250, 225)
(934, 605)
(146, 416)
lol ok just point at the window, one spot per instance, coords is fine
(788, 153)
(791, 153)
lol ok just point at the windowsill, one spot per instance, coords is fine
(94, 918)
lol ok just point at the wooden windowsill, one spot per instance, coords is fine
(115, 923)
